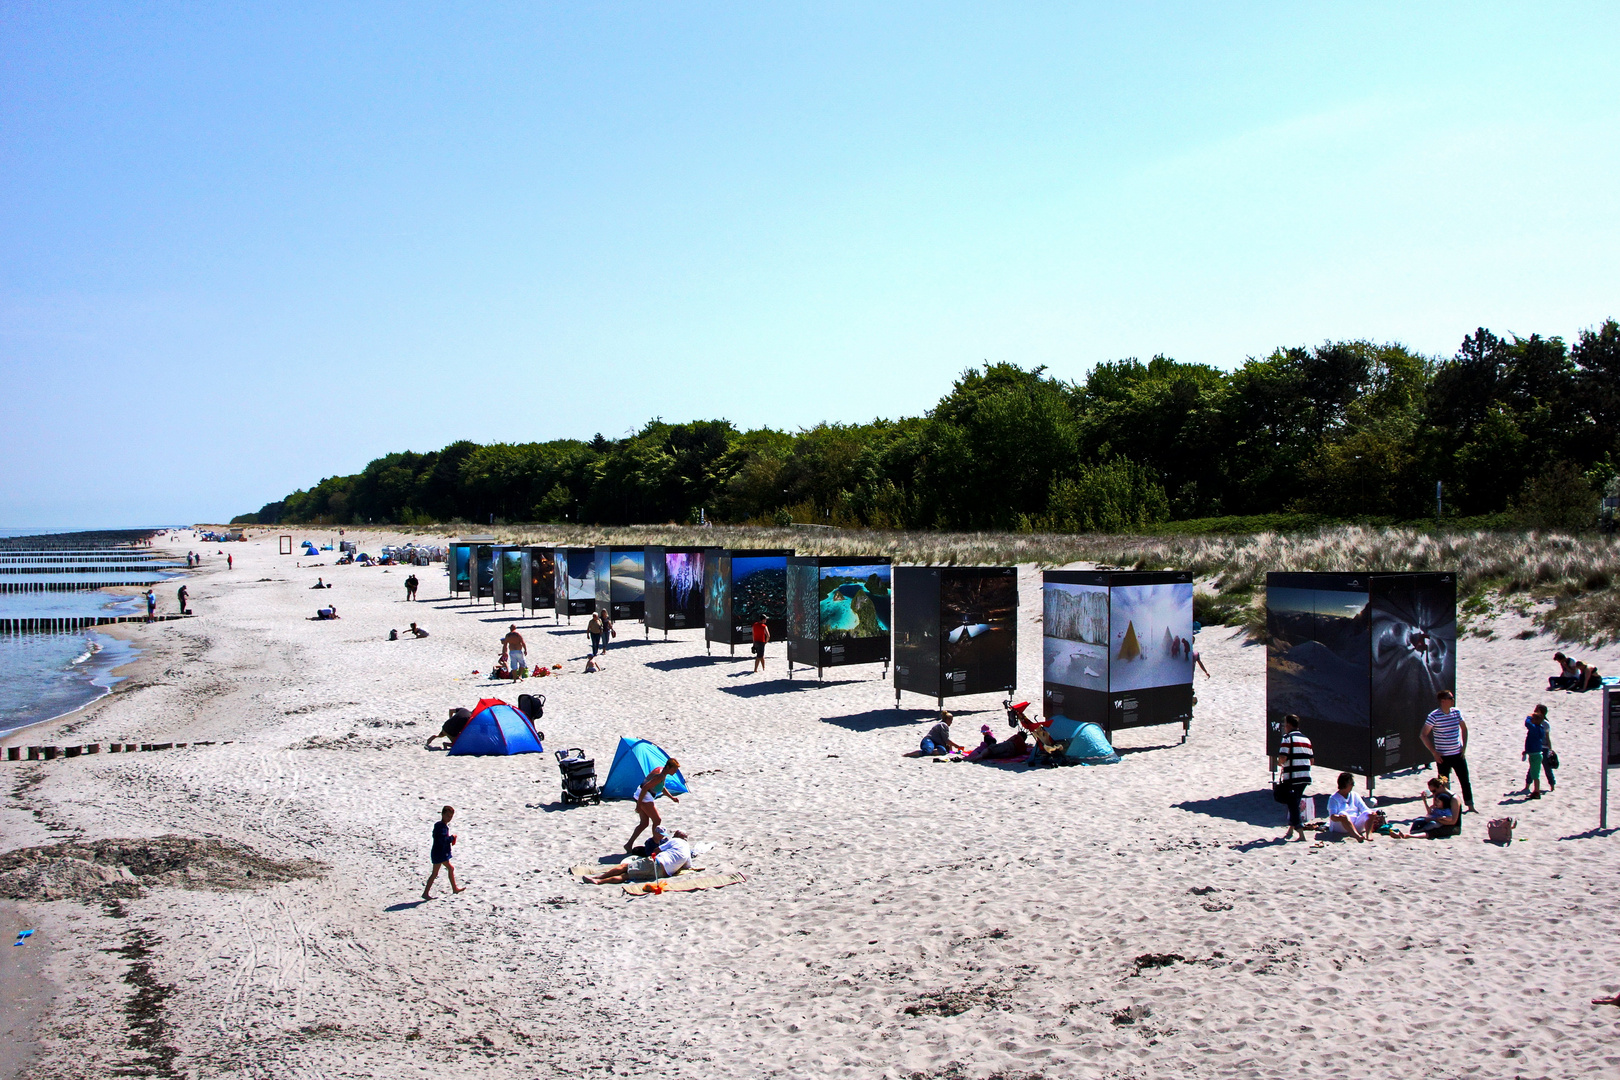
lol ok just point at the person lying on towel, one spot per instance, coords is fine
(673, 855)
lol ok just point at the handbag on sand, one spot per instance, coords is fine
(1500, 830)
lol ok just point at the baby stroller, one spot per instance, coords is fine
(578, 777)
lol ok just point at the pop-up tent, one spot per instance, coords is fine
(633, 761)
(497, 728)
(1088, 743)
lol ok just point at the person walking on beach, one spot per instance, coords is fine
(442, 843)
(1446, 735)
(762, 636)
(182, 595)
(230, 562)
(1294, 757)
(517, 658)
(151, 605)
(608, 633)
(410, 587)
(594, 629)
(647, 799)
(1537, 742)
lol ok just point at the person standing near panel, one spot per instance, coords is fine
(1446, 735)
(1294, 757)
(762, 636)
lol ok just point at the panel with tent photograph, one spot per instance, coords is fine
(1150, 619)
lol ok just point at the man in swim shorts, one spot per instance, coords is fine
(516, 652)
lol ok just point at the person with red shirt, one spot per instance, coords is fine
(762, 635)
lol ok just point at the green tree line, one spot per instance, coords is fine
(1347, 429)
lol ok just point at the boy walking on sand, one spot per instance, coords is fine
(442, 842)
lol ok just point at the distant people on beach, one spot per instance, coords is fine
(320, 583)
(1568, 676)
(1294, 757)
(937, 742)
(516, 652)
(1446, 735)
(1349, 814)
(328, 612)
(608, 633)
(593, 630)
(416, 631)
(1198, 662)
(182, 595)
(1442, 813)
(443, 841)
(230, 562)
(1537, 751)
(151, 605)
(762, 637)
(410, 587)
(647, 799)
(592, 664)
(1587, 677)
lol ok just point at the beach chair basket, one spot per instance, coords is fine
(578, 776)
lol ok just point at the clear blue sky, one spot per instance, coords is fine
(243, 247)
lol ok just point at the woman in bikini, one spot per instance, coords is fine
(647, 796)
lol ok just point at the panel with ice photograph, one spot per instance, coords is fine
(1074, 644)
(627, 584)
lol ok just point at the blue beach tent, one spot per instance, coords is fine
(497, 728)
(1088, 743)
(633, 762)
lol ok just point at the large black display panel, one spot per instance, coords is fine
(620, 581)
(839, 610)
(955, 630)
(460, 560)
(539, 579)
(508, 582)
(738, 586)
(674, 579)
(1360, 659)
(483, 570)
(1116, 647)
(574, 591)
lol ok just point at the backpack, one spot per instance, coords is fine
(532, 705)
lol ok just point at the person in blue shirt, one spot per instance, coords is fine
(443, 841)
(1537, 741)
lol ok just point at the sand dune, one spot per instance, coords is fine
(901, 917)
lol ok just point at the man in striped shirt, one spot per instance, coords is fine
(1446, 736)
(1294, 755)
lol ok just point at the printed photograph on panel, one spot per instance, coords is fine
(627, 584)
(854, 601)
(1414, 647)
(978, 619)
(581, 574)
(1151, 643)
(684, 586)
(1074, 629)
(759, 585)
(1317, 655)
(804, 608)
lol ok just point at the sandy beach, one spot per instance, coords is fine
(901, 917)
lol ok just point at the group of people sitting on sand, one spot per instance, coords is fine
(664, 854)
(937, 743)
(1349, 814)
(1573, 675)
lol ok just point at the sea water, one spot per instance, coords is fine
(48, 674)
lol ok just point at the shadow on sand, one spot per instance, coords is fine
(1249, 807)
(780, 686)
(680, 663)
(874, 719)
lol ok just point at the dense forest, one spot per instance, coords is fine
(1352, 430)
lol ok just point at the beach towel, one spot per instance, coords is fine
(683, 882)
